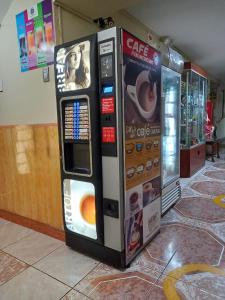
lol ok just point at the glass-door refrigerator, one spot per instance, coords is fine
(171, 82)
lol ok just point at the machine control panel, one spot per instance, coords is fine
(108, 97)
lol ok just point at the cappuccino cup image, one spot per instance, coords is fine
(148, 145)
(140, 169)
(129, 148)
(144, 95)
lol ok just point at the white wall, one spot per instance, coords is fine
(26, 99)
(74, 27)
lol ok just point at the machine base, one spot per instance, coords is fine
(106, 255)
(92, 249)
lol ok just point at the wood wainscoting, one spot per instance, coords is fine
(30, 173)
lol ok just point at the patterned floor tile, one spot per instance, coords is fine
(74, 295)
(9, 267)
(219, 165)
(34, 247)
(105, 282)
(66, 265)
(189, 244)
(33, 285)
(212, 188)
(215, 174)
(191, 279)
(201, 208)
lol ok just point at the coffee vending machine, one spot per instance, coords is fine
(108, 89)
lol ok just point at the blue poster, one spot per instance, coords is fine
(22, 41)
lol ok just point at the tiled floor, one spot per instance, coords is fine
(185, 261)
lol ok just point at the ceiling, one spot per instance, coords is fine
(196, 26)
(4, 6)
(98, 8)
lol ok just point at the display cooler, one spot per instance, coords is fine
(108, 89)
(170, 111)
(193, 118)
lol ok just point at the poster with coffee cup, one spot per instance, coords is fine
(79, 207)
(142, 96)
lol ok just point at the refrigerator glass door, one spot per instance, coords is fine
(171, 126)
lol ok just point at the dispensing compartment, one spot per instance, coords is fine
(76, 135)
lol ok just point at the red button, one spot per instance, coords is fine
(107, 105)
(108, 134)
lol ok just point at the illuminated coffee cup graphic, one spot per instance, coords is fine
(156, 144)
(130, 172)
(156, 162)
(129, 148)
(87, 209)
(144, 95)
(139, 146)
(149, 165)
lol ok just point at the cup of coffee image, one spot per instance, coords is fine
(156, 162)
(131, 172)
(144, 95)
(149, 165)
(140, 169)
(148, 145)
(134, 201)
(139, 146)
(87, 209)
(129, 148)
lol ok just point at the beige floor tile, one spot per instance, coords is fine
(11, 233)
(3, 221)
(66, 265)
(9, 267)
(74, 295)
(34, 247)
(32, 285)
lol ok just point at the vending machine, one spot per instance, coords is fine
(108, 89)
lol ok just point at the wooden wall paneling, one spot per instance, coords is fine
(30, 173)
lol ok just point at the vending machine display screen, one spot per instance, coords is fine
(77, 136)
(106, 66)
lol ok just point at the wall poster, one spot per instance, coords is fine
(142, 96)
(36, 38)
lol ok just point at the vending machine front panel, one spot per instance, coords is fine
(76, 76)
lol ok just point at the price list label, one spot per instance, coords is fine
(77, 121)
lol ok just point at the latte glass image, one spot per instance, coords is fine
(79, 207)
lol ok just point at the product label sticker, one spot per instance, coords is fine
(106, 47)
